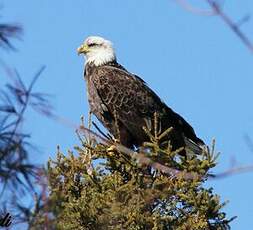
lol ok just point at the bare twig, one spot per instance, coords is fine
(217, 11)
(232, 25)
(15, 171)
(25, 104)
(8, 31)
(233, 171)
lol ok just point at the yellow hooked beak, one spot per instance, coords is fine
(83, 49)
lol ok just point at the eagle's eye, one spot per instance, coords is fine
(92, 44)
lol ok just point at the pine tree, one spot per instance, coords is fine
(152, 188)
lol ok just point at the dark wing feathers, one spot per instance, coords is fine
(133, 101)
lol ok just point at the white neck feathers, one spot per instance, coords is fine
(101, 56)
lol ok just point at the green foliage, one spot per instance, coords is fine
(97, 189)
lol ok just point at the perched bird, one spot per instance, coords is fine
(125, 104)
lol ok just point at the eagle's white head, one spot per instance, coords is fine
(97, 50)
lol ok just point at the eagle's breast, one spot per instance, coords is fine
(96, 105)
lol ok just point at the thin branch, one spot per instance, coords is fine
(233, 171)
(217, 11)
(14, 167)
(8, 31)
(28, 92)
(232, 25)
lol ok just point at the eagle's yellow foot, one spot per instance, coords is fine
(112, 149)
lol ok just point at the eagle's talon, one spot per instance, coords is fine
(111, 150)
(116, 140)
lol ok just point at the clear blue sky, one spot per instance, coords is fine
(195, 63)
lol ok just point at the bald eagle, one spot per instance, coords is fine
(124, 103)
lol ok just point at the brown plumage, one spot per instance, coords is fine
(123, 102)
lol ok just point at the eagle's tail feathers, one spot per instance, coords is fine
(197, 148)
